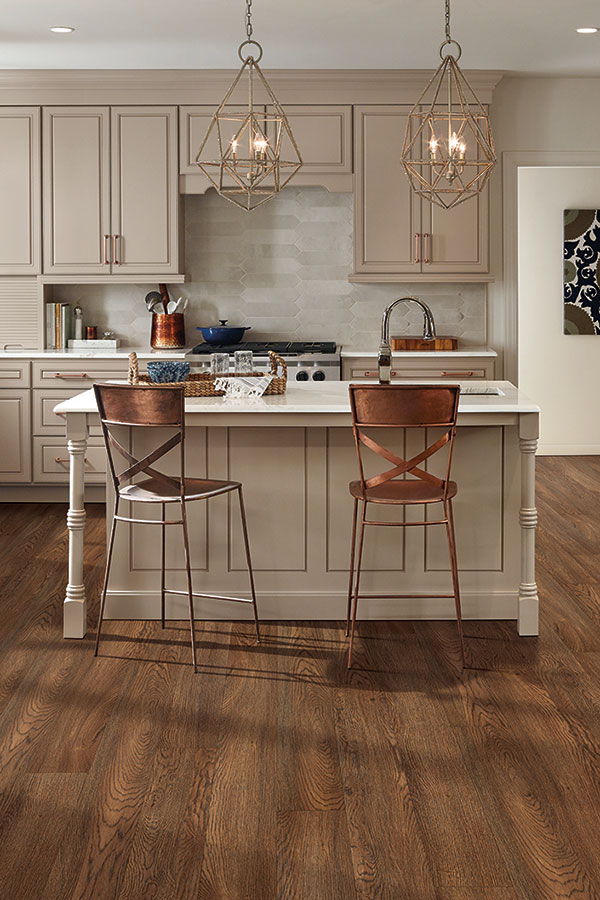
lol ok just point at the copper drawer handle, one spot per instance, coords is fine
(62, 459)
(456, 374)
(426, 258)
(375, 374)
(106, 259)
(115, 257)
(71, 375)
(417, 236)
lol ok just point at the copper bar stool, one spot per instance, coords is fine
(159, 406)
(395, 406)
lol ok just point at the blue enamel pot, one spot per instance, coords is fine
(223, 333)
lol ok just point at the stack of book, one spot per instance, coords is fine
(58, 325)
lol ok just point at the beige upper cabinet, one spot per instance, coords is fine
(20, 186)
(145, 190)
(76, 168)
(398, 235)
(323, 135)
(110, 190)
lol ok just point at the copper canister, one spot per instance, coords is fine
(168, 331)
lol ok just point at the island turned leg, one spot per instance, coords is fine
(75, 607)
(528, 618)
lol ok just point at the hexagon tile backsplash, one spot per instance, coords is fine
(282, 269)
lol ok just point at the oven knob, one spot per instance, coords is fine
(318, 375)
(301, 376)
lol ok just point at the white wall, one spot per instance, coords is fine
(560, 372)
(533, 114)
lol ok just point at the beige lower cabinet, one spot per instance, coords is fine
(51, 461)
(464, 367)
(15, 446)
(56, 380)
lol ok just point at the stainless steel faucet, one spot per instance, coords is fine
(384, 357)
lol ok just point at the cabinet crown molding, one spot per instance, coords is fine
(186, 86)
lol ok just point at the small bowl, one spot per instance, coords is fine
(167, 370)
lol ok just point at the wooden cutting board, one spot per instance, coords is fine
(442, 342)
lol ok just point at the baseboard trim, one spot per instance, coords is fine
(48, 493)
(317, 606)
(568, 450)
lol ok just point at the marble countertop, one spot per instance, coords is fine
(350, 353)
(316, 398)
(95, 353)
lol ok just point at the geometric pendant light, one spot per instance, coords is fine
(249, 152)
(448, 151)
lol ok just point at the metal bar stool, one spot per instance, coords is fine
(390, 406)
(159, 406)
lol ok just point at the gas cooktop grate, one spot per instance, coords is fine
(284, 348)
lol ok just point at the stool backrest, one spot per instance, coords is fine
(397, 406)
(143, 406)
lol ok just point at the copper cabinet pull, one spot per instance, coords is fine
(375, 374)
(115, 257)
(62, 459)
(106, 259)
(71, 375)
(426, 237)
(417, 236)
(456, 374)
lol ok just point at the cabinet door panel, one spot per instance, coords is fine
(15, 448)
(387, 212)
(145, 196)
(324, 138)
(76, 190)
(20, 185)
(458, 238)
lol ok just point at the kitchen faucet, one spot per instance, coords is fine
(384, 357)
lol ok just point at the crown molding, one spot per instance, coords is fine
(188, 86)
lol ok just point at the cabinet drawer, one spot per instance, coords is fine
(80, 375)
(45, 420)
(51, 461)
(14, 373)
(424, 372)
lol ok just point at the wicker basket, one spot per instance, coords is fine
(202, 384)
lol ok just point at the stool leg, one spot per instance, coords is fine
(188, 569)
(351, 579)
(454, 567)
(249, 562)
(357, 582)
(162, 566)
(111, 541)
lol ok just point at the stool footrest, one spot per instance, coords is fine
(405, 596)
(211, 596)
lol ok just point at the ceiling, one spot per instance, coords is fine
(536, 36)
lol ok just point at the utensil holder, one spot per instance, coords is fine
(168, 331)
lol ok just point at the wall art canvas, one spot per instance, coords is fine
(581, 278)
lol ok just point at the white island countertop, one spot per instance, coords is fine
(317, 404)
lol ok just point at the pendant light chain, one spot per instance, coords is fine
(448, 38)
(249, 154)
(249, 19)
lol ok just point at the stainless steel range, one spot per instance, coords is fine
(306, 360)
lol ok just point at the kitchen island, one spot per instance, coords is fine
(295, 456)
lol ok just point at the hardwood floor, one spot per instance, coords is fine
(274, 774)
